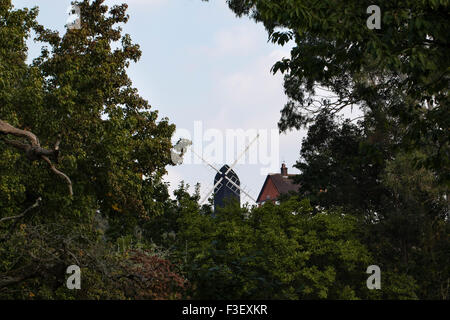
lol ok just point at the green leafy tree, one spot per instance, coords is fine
(272, 252)
(401, 69)
(78, 145)
(340, 164)
(393, 167)
(405, 206)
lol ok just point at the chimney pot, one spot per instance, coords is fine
(284, 170)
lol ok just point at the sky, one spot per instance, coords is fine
(208, 71)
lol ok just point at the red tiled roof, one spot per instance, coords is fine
(283, 184)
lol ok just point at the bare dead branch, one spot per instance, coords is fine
(6, 128)
(33, 150)
(23, 213)
(59, 173)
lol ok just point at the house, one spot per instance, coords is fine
(277, 184)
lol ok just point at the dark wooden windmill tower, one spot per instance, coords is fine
(226, 182)
(228, 187)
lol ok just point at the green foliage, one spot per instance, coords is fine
(375, 192)
(340, 164)
(114, 148)
(271, 252)
(405, 207)
(401, 69)
(392, 168)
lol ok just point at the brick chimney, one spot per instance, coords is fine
(284, 170)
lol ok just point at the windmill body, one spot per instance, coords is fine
(227, 187)
(226, 182)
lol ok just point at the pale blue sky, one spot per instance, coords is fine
(201, 63)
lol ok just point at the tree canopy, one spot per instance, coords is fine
(82, 156)
(400, 70)
(76, 102)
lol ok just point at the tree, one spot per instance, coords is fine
(75, 108)
(401, 69)
(393, 166)
(340, 164)
(417, 225)
(272, 252)
(404, 206)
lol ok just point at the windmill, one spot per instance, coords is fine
(226, 182)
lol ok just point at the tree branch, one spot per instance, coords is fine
(9, 129)
(59, 173)
(33, 150)
(23, 213)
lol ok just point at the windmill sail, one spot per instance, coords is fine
(226, 182)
